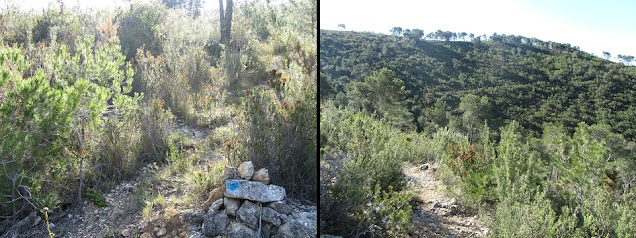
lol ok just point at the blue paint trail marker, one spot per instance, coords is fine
(233, 186)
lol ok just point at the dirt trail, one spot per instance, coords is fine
(124, 211)
(436, 215)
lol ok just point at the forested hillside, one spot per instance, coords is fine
(127, 116)
(527, 80)
(534, 138)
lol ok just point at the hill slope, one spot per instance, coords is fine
(527, 80)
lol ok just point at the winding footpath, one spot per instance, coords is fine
(437, 215)
(123, 214)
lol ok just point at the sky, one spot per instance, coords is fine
(594, 26)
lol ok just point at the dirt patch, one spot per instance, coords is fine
(437, 215)
(124, 215)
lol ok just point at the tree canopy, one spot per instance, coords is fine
(532, 81)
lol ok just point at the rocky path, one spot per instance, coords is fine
(124, 214)
(436, 215)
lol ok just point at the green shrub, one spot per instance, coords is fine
(96, 197)
(156, 81)
(16, 26)
(626, 224)
(155, 121)
(118, 148)
(388, 215)
(366, 198)
(179, 160)
(50, 121)
(278, 132)
(209, 178)
(523, 216)
(139, 26)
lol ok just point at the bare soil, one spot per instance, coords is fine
(123, 216)
(435, 214)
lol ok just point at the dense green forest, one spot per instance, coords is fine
(527, 80)
(89, 97)
(537, 137)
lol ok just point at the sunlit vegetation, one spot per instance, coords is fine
(88, 97)
(534, 136)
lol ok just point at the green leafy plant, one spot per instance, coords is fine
(96, 197)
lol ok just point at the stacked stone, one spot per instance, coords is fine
(247, 198)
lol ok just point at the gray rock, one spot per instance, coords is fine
(303, 226)
(284, 218)
(127, 188)
(254, 191)
(281, 207)
(248, 214)
(216, 205)
(230, 173)
(271, 216)
(215, 223)
(268, 230)
(238, 230)
(453, 209)
(262, 175)
(193, 217)
(231, 205)
(196, 235)
(246, 170)
(162, 232)
(126, 232)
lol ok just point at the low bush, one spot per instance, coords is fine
(208, 178)
(154, 78)
(363, 198)
(277, 131)
(388, 214)
(51, 123)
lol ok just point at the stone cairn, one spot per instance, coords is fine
(247, 204)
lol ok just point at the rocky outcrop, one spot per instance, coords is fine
(249, 207)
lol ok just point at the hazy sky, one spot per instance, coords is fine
(594, 26)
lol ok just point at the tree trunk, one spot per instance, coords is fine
(225, 18)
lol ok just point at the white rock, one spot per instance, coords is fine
(246, 170)
(262, 175)
(254, 191)
(126, 232)
(161, 232)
